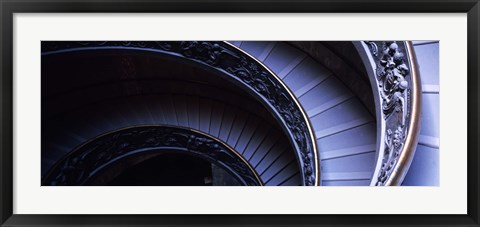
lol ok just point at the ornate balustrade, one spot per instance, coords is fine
(396, 87)
(82, 165)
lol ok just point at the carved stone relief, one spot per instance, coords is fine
(393, 76)
(88, 159)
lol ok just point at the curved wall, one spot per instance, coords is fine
(424, 169)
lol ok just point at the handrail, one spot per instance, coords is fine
(396, 86)
(239, 67)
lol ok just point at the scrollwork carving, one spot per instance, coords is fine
(394, 89)
(79, 166)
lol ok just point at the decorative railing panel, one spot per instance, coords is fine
(397, 86)
(90, 158)
(251, 75)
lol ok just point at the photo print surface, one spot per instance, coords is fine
(239, 113)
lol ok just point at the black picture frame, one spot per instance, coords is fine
(9, 7)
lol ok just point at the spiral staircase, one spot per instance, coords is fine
(340, 111)
(345, 131)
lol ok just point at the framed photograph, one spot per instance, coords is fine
(239, 113)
